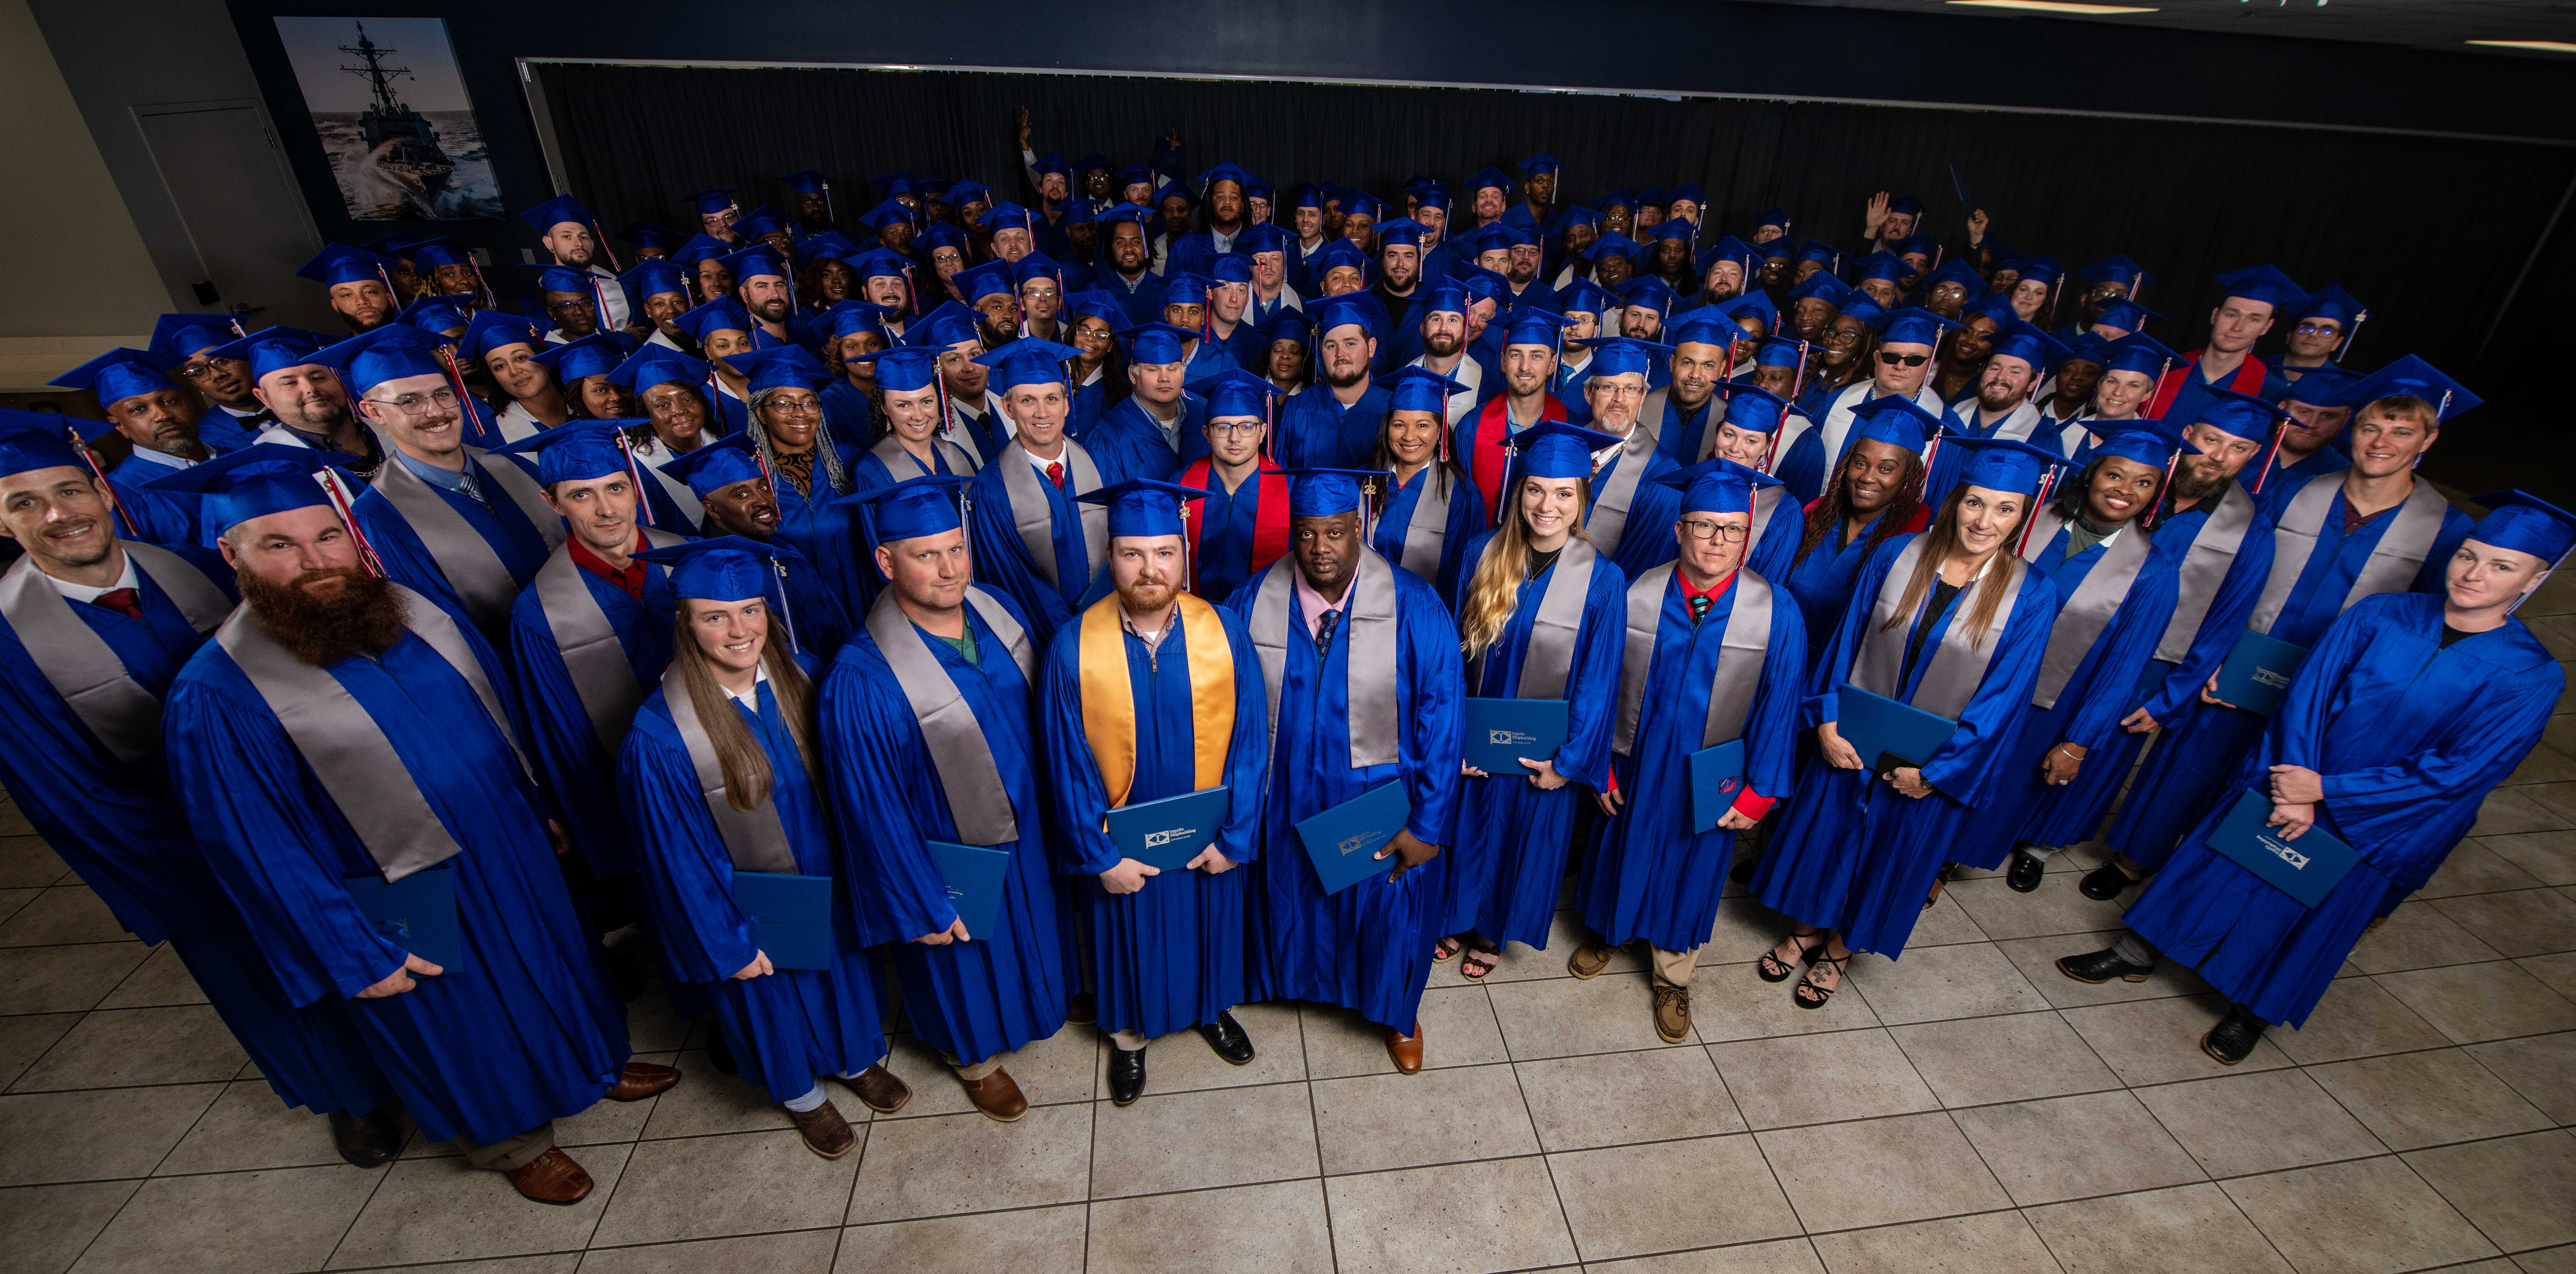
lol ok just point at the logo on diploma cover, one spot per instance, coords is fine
(1365, 840)
(1155, 840)
(2276, 680)
(1509, 738)
(1728, 785)
(2281, 849)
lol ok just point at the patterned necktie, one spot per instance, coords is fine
(1324, 625)
(124, 601)
(1055, 473)
(1699, 604)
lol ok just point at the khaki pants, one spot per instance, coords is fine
(1674, 968)
(511, 1153)
(983, 1069)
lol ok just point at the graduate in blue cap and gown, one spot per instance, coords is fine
(359, 284)
(1713, 653)
(2377, 527)
(1950, 622)
(1624, 495)
(506, 348)
(2115, 598)
(723, 329)
(1125, 272)
(441, 518)
(160, 423)
(567, 231)
(809, 470)
(1431, 508)
(2408, 711)
(2321, 332)
(1873, 495)
(1679, 412)
(582, 367)
(732, 483)
(656, 294)
(1360, 665)
(2131, 366)
(1033, 539)
(723, 773)
(1999, 405)
(1241, 525)
(670, 390)
(181, 342)
(1334, 424)
(1542, 616)
(107, 621)
(1091, 322)
(1168, 948)
(1903, 335)
(2319, 408)
(907, 379)
(2245, 311)
(341, 727)
(1156, 428)
(906, 768)
(972, 415)
(1749, 420)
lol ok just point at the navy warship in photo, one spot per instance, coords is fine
(400, 142)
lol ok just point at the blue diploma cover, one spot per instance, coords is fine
(974, 876)
(416, 913)
(2306, 869)
(791, 917)
(1343, 841)
(1499, 732)
(1167, 834)
(2258, 671)
(1716, 779)
(1888, 734)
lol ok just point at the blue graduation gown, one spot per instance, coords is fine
(2288, 477)
(821, 528)
(2184, 774)
(1367, 948)
(528, 1029)
(1855, 855)
(1802, 466)
(1466, 520)
(1677, 434)
(1648, 876)
(1127, 441)
(1317, 432)
(1173, 953)
(1001, 560)
(1647, 539)
(124, 833)
(1229, 525)
(224, 433)
(1090, 401)
(848, 415)
(785, 1027)
(1142, 299)
(1822, 582)
(2409, 738)
(2087, 714)
(155, 516)
(1004, 988)
(1508, 854)
(576, 767)
(495, 517)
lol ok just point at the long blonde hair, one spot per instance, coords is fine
(1491, 592)
(747, 775)
(1937, 546)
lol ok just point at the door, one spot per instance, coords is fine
(243, 213)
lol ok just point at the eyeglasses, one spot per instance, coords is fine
(802, 407)
(417, 404)
(2315, 329)
(1839, 337)
(1703, 529)
(1893, 359)
(1238, 427)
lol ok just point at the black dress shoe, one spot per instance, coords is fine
(2027, 871)
(1742, 873)
(2234, 1038)
(1226, 1036)
(720, 1054)
(1126, 1075)
(2098, 967)
(370, 1140)
(2104, 883)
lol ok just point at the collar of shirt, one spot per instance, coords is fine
(129, 578)
(149, 456)
(630, 579)
(752, 700)
(459, 480)
(1312, 603)
(1712, 593)
(1063, 456)
(1154, 641)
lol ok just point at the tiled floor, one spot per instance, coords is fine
(1963, 1109)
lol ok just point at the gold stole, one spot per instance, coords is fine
(1109, 701)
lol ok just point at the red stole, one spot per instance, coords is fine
(1485, 458)
(2248, 380)
(1269, 519)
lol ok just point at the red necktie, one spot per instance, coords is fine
(1055, 473)
(124, 601)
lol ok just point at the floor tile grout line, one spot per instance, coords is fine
(1315, 1120)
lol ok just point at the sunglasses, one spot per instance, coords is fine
(1893, 359)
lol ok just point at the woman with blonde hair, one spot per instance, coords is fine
(1950, 622)
(1540, 616)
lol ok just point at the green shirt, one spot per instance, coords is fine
(963, 644)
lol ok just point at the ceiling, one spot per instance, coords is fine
(2445, 24)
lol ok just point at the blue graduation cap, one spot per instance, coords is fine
(950, 324)
(1577, 215)
(1226, 170)
(658, 365)
(1007, 215)
(1542, 164)
(2002, 464)
(1181, 288)
(1780, 351)
(1532, 325)
(340, 263)
(1288, 325)
(1717, 485)
(33, 440)
(882, 264)
(807, 181)
(1555, 449)
(915, 507)
(1233, 392)
(1880, 265)
(1916, 245)
(1753, 409)
(1727, 248)
(1959, 272)
(1400, 232)
(1143, 507)
(2117, 269)
(1907, 205)
(886, 213)
(777, 367)
(597, 354)
(1687, 190)
(392, 352)
(649, 235)
(256, 481)
(904, 368)
(1617, 199)
(2332, 302)
(1322, 493)
(1993, 305)
(492, 330)
(118, 374)
(1775, 217)
(844, 318)
(1486, 177)
(2030, 345)
(1822, 253)
(556, 211)
(2324, 386)
(271, 349)
(1612, 243)
(1421, 389)
(1622, 355)
(942, 234)
(726, 568)
(1650, 292)
(2520, 522)
(1706, 325)
(1586, 297)
(652, 278)
(2140, 353)
(830, 243)
(1822, 286)
(709, 203)
(2085, 347)
(560, 278)
(702, 247)
(1154, 344)
(2240, 415)
(179, 337)
(2412, 375)
(760, 223)
(575, 451)
(438, 315)
(723, 314)
(2262, 283)
(1029, 360)
(1448, 296)
(1755, 304)
(1911, 325)
(1897, 420)
(1104, 307)
(1340, 312)
(2150, 442)
(755, 261)
(993, 278)
(718, 464)
(1675, 229)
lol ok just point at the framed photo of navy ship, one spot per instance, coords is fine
(391, 112)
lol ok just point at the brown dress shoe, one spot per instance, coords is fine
(1672, 1013)
(552, 1178)
(1590, 959)
(880, 1090)
(1405, 1050)
(998, 1096)
(640, 1080)
(825, 1132)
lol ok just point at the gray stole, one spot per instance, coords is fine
(1708, 430)
(592, 655)
(977, 801)
(2204, 568)
(1427, 534)
(1549, 660)
(959, 434)
(755, 839)
(1370, 635)
(79, 664)
(890, 452)
(2084, 615)
(1607, 519)
(1739, 659)
(1035, 518)
(347, 748)
(1957, 667)
(1650, 414)
(2393, 561)
(483, 585)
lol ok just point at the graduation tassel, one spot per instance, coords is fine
(2271, 452)
(602, 240)
(785, 613)
(105, 491)
(340, 502)
(2346, 347)
(486, 433)
(635, 476)
(2047, 483)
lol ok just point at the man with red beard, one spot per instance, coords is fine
(345, 751)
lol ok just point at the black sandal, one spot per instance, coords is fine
(1807, 985)
(1763, 968)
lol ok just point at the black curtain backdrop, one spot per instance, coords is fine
(2430, 233)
